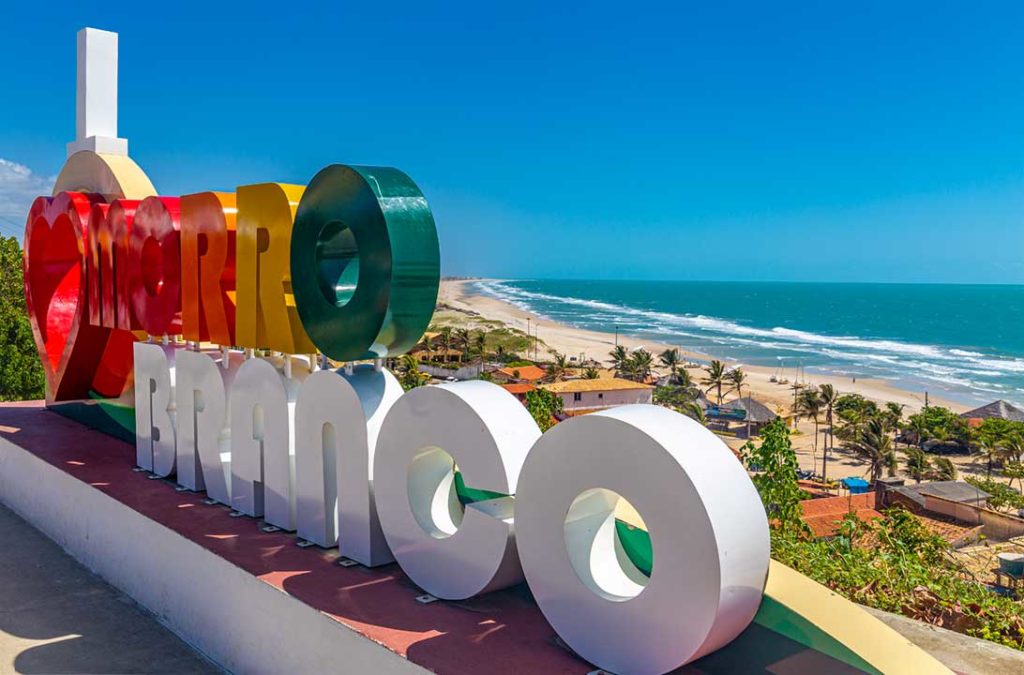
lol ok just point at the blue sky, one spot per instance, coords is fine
(747, 141)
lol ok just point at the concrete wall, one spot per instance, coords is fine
(238, 621)
(470, 372)
(1001, 526)
(963, 512)
(995, 525)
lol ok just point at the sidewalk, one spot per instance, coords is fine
(57, 617)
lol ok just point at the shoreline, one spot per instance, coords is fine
(578, 342)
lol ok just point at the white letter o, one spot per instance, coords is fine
(708, 529)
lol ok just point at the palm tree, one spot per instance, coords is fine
(809, 406)
(1013, 448)
(874, 445)
(480, 345)
(590, 373)
(829, 396)
(919, 426)
(683, 379)
(425, 345)
(737, 378)
(918, 466)
(894, 415)
(670, 359)
(694, 411)
(641, 362)
(715, 378)
(411, 376)
(556, 371)
(943, 469)
(620, 358)
(463, 339)
(447, 340)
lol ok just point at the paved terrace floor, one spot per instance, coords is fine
(57, 617)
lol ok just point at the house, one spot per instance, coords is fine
(915, 497)
(824, 516)
(528, 373)
(1000, 409)
(431, 348)
(582, 396)
(519, 389)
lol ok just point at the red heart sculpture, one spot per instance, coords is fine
(73, 351)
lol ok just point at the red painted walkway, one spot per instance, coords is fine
(502, 632)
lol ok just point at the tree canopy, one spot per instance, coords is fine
(21, 374)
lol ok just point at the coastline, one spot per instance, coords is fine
(571, 341)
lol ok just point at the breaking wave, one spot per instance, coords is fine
(967, 369)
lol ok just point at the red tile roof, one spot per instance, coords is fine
(823, 515)
(828, 525)
(518, 387)
(529, 373)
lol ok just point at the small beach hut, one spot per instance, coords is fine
(746, 410)
(1001, 409)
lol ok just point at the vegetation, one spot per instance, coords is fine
(487, 339)
(872, 443)
(620, 359)
(636, 366)
(808, 405)
(670, 359)
(776, 478)
(828, 396)
(1001, 495)
(920, 466)
(999, 441)
(894, 564)
(21, 373)
(714, 379)
(940, 425)
(851, 408)
(557, 368)
(543, 406)
(409, 375)
(681, 399)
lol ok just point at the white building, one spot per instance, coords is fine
(586, 395)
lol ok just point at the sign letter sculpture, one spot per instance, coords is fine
(260, 280)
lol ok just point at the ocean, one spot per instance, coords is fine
(962, 342)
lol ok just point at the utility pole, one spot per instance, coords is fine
(529, 336)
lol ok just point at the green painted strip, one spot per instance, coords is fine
(779, 618)
(468, 495)
(637, 545)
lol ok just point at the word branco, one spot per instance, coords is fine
(348, 266)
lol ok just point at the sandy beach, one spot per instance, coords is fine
(591, 344)
(457, 296)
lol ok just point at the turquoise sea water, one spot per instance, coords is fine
(959, 341)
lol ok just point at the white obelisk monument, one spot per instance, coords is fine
(96, 103)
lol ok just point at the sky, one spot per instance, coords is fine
(869, 141)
